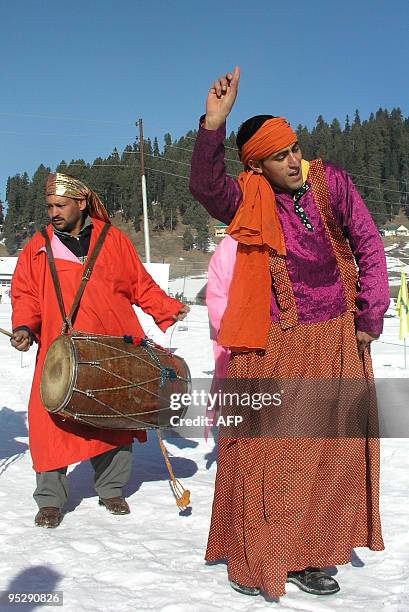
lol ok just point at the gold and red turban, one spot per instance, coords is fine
(59, 184)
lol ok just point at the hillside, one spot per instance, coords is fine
(167, 247)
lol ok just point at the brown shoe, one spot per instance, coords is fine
(115, 505)
(48, 517)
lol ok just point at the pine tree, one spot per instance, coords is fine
(37, 196)
(354, 161)
(337, 154)
(304, 140)
(321, 139)
(203, 238)
(1, 213)
(391, 195)
(188, 240)
(169, 207)
(16, 225)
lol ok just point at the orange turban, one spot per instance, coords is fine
(257, 228)
(275, 134)
(69, 187)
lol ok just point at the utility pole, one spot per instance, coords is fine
(144, 196)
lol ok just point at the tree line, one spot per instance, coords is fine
(374, 151)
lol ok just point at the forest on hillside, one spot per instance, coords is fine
(374, 151)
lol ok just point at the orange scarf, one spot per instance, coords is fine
(256, 227)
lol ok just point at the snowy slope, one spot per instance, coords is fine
(153, 558)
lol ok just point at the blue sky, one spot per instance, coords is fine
(76, 75)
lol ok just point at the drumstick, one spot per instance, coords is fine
(5, 332)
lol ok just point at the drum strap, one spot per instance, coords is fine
(69, 319)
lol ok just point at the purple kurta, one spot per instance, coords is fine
(310, 260)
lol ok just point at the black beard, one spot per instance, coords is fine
(67, 226)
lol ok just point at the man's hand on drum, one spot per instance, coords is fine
(220, 99)
(21, 340)
(182, 314)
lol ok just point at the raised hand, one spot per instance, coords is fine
(220, 99)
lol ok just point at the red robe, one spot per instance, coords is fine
(118, 281)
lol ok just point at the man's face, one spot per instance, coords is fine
(65, 213)
(282, 169)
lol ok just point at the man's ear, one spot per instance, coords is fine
(255, 165)
(82, 204)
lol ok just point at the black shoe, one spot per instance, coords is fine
(315, 581)
(245, 590)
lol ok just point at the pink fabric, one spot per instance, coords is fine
(60, 251)
(219, 277)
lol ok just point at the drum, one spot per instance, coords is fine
(110, 382)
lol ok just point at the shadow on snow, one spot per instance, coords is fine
(148, 465)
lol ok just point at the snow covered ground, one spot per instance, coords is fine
(153, 558)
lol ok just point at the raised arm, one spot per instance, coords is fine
(209, 183)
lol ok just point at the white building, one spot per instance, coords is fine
(7, 266)
(402, 230)
(220, 230)
(388, 230)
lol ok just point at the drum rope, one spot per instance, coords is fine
(115, 348)
(130, 384)
(111, 416)
(165, 373)
(117, 413)
(145, 345)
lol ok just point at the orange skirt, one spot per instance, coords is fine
(284, 504)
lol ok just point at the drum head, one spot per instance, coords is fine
(57, 378)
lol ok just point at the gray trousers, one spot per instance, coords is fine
(112, 472)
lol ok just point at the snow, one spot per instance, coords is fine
(396, 258)
(153, 558)
(189, 286)
(7, 265)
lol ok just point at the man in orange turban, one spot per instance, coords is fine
(307, 297)
(118, 281)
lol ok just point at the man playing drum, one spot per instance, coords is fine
(286, 506)
(118, 281)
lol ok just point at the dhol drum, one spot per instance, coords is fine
(113, 383)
